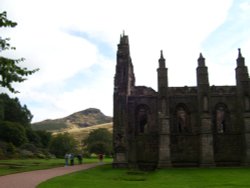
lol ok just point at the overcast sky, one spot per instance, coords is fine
(74, 43)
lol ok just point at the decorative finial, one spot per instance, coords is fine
(240, 55)
(201, 56)
(201, 60)
(162, 54)
(240, 60)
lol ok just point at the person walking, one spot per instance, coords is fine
(100, 156)
(66, 157)
(79, 157)
(71, 159)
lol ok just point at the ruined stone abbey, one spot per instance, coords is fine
(179, 126)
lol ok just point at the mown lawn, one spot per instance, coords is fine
(23, 165)
(106, 177)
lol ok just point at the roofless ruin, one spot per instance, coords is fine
(179, 126)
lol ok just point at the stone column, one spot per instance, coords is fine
(206, 142)
(164, 142)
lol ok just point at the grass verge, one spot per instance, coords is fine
(23, 165)
(107, 177)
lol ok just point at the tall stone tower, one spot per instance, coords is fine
(243, 94)
(206, 129)
(124, 82)
(163, 113)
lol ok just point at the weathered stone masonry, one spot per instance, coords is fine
(179, 126)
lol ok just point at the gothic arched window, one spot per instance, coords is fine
(142, 118)
(205, 103)
(182, 119)
(220, 118)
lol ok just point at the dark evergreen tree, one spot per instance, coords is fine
(12, 132)
(14, 111)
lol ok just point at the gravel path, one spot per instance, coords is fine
(33, 178)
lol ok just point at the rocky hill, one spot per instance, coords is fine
(85, 118)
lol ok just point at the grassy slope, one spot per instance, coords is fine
(80, 133)
(85, 118)
(50, 125)
(106, 177)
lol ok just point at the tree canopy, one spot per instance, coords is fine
(13, 111)
(10, 71)
(13, 133)
(99, 141)
(62, 144)
(15, 119)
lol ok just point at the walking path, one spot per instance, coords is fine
(33, 178)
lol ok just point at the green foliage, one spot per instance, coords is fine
(29, 147)
(99, 141)
(13, 111)
(61, 144)
(10, 72)
(4, 22)
(7, 150)
(12, 132)
(15, 129)
(45, 138)
(33, 137)
(1, 110)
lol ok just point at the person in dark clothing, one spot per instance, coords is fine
(79, 157)
(100, 157)
(71, 159)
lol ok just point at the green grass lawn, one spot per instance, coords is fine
(23, 165)
(106, 177)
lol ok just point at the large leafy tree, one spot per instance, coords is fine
(62, 144)
(10, 71)
(99, 141)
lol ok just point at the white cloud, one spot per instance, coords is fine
(177, 27)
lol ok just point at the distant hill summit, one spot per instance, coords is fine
(84, 118)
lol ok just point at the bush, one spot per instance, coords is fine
(7, 150)
(30, 147)
(23, 153)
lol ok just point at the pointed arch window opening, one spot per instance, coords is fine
(205, 103)
(182, 119)
(142, 119)
(221, 118)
